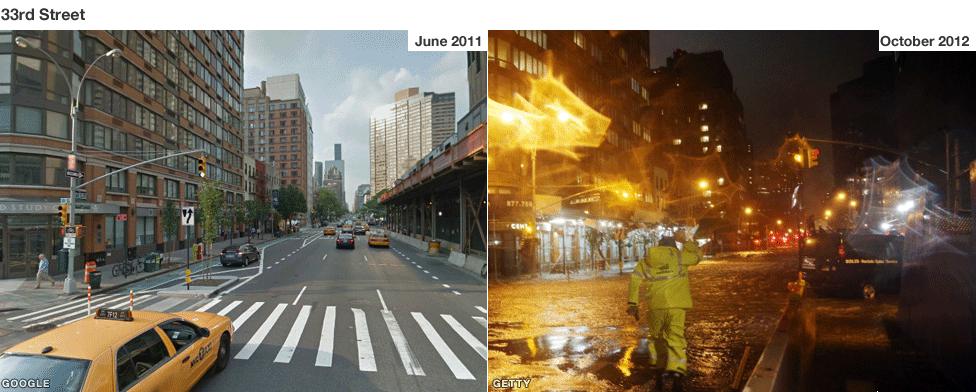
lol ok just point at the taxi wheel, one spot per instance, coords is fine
(223, 354)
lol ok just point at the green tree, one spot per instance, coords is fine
(291, 201)
(327, 205)
(171, 220)
(373, 208)
(211, 211)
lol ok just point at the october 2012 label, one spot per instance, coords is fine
(15, 14)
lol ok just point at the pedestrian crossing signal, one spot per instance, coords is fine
(202, 167)
(813, 157)
(63, 212)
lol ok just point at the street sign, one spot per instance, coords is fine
(74, 173)
(64, 200)
(186, 214)
(70, 232)
(69, 242)
(121, 217)
(274, 198)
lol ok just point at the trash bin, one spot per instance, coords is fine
(151, 263)
(433, 247)
(95, 279)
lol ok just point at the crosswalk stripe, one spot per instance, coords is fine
(327, 339)
(228, 308)
(291, 342)
(367, 362)
(134, 301)
(410, 363)
(252, 345)
(481, 320)
(95, 302)
(51, 309)
(483, 310)
(246, 315)
(209, 305)
(165, 304)
(452, 361)
(467, 336)
(83, 312)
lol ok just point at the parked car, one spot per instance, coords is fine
(240, 255)
(842, 263)
(378, 238)
(359, 230)
(329, 230)
(346, 240)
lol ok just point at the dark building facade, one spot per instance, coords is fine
(168, 91)
(920, 104)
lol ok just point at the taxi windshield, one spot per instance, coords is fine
(37, 372)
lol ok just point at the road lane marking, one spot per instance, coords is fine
(452, 361)
(410, 363)
(269, 267)
(282, 259)
(481, 320)
(466, 336)
(446, 286)
(77, 306)
(481, 309)
(327, 339)
(435, 278)
(276, 263)
(262, 332)
(51, 310)
(299, 295)
(364, 258)
(381, 299)
(426, 272)
(455, 292)
(165, 304)
(246, 315)
(323, 257)
(228, 308)
(367, 362)
(419, 267)
(291, 342)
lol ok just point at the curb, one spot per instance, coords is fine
(177, 293)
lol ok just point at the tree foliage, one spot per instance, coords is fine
(211, 211)
(327, 205)
(170, 219)
(291, 201)
(373, 208)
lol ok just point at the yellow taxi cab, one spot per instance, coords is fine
(122, 350)
(378, 238)
(329, 230)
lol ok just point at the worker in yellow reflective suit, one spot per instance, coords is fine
(664, 271)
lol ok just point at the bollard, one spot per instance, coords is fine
(89, 300)
(130, 299)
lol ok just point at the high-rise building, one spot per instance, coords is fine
(169, 91)
(477, 94)
(279, 129)
(318, 174)
(334, 175)
(362, 192)
(403, 132)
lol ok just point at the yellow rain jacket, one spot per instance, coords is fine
(664, 270)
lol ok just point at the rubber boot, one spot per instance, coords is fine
(673, 381)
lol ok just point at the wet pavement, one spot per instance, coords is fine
(575, 335)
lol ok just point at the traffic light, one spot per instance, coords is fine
(813, 157)
(64, 211)
(202, 166)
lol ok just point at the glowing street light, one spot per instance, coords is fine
(508, 117)
(905, 206)
(779, 222)
(853, 203)
(798, 158)
(841, 196)
(703, 184)
(563, 116)
(747, 210)
(828, 213)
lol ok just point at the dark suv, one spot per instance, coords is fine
(837, 263)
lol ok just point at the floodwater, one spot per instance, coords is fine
(575, 335)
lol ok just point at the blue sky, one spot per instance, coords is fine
(347, 74)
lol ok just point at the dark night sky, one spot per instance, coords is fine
(783, 78)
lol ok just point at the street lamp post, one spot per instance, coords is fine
(22, 42)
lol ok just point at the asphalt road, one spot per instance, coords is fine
(317, 318)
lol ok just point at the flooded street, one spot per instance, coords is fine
(575, 335)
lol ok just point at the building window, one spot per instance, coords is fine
(146, 185)
(704, 128)
(30, 169)
(191, 191)
(703, 106)
(704, 139)
(114, 233)
(145, 230)
(579, 39)
(28, 120)
(172, 189)
(718, 148)
(27, 72)
(115, 182)
(676, 142)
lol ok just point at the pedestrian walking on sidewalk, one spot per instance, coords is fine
(664, 271)
(42, 274)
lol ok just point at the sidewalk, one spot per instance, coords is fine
(21, 294)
